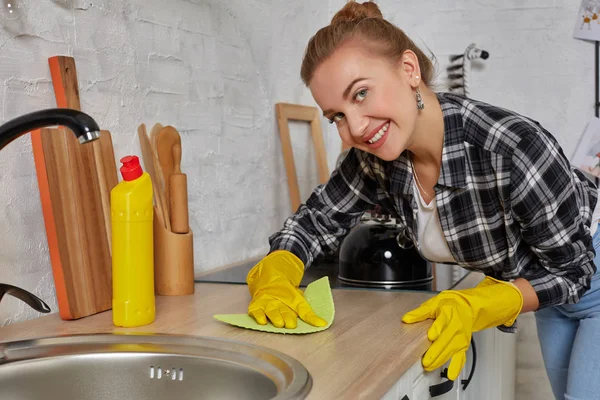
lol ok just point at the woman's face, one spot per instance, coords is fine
(370, 98)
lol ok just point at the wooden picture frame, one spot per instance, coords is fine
(296, 112)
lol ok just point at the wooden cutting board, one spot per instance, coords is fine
(75, 181)
(75, 214)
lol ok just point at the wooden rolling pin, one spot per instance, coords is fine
(178, 195)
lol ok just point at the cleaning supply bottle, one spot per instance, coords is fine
(133, 302)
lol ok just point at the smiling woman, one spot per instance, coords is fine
(381, 67)
(473, 184)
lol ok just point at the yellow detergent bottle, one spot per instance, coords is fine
(132, 247)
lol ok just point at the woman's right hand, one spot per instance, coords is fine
(273, 285)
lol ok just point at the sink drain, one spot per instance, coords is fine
(173, 373)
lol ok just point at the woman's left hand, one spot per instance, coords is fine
(459, 313)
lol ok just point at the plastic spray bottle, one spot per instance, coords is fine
(133, 302)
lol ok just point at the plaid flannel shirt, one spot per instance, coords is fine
(509, 202)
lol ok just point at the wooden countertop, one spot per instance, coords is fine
(362, 355)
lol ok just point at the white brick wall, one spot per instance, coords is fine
(215, 68)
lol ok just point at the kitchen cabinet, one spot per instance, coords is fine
(493, 379)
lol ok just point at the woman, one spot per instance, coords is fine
(474, 184)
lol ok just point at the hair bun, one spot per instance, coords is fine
(355, 12)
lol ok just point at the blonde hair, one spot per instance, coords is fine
(365, 22)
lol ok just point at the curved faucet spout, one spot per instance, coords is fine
(83, 126)
(34, 302)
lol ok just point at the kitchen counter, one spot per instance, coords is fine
(362, 355)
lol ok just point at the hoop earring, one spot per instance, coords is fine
(420, 104)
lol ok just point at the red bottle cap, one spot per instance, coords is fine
(131, 168)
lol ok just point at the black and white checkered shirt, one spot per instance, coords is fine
(509, 202)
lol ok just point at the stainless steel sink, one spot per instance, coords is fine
(147, 367)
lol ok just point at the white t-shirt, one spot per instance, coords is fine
(432, 242)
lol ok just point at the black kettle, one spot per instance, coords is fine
(371, 256)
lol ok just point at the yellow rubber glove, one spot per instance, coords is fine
(273, 284)
(459, 313)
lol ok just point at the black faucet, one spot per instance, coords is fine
(85, 129)
(83, 126)
(35, 302)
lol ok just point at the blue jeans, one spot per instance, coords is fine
(570, 339)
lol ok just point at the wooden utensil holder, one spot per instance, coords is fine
(173, 261)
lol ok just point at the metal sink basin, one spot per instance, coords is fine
(147, 367)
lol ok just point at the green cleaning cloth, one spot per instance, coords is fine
(317, 294)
